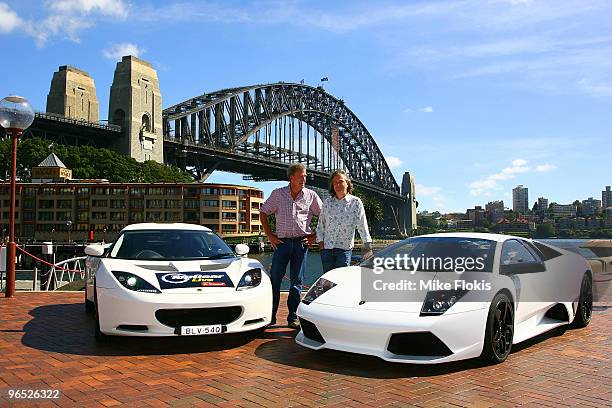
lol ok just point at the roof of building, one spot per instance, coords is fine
(52, 161)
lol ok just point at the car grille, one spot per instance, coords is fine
(311, 331)
(424, 344)
(197, 317)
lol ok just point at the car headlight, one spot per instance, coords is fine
(439, 301)
(320, 287)
(135, 283)
(250, 279)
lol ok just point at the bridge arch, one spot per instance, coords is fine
(241, 120)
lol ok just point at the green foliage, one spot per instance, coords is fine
(88, 162)
(372, 206)
(545, 230)
(426, 222)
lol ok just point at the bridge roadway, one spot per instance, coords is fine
(46, 342)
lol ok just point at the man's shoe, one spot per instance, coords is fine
(294, 324)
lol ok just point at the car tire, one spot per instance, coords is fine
(97, 332)
(89, 305)
(584, 310)
(499, 331)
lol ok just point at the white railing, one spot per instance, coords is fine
(69, 269)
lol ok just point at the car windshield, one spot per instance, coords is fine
(170, 245)
(437, 254)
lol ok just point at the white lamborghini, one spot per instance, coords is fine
(174, 280)
(421, 301)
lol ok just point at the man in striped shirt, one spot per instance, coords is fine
(293, 206)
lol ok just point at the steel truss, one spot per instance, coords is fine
(281, 123)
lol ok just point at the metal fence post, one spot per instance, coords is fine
(35, 280)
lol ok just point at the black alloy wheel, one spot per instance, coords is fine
(500, 330)
(585, 303)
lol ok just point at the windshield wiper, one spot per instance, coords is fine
(218, 256)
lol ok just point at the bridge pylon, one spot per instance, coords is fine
(136, 105)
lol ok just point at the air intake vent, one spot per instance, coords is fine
(424, 344)
(197, 317)
(311, 331)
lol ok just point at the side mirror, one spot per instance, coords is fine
(242, 249)
(94, 250)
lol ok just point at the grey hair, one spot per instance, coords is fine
(295, 167)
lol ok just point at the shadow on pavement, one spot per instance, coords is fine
(66, 328)
(285, 351)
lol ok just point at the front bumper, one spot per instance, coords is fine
(126, 313)
(370, 332)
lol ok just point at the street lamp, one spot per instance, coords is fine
(69, 228)
(16, 114)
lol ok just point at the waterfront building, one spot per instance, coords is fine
(52, 211)
(563, 210)
(520, 199)
(606, 197)
(494, 211)
(591, 206)
(579, 223)
(542, 206)
(519, 225)
(593, 223)
(477, 215)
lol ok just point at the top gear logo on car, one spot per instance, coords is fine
(193, 279)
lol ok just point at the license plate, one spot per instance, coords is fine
(201, 330)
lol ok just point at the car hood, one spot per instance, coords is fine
(348, 290)
(193, 276)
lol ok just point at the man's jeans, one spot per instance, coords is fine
(335, 258)
(292, 252)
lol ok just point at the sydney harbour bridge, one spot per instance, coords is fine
(261, 129)
(256, 131)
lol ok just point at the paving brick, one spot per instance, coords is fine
(46, 342)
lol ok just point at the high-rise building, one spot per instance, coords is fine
(591, 206)
(606, 198)
(563, 210)
(520, 199)
(495, 210)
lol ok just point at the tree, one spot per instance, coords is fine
(372, 206)
(545, 230)
(578, 206)
(88, 162)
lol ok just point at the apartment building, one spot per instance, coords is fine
(76, 210)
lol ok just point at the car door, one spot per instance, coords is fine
(527, 271)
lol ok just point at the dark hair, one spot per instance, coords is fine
(295, 167)
(349, 183)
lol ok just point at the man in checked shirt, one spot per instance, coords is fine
(294, 206)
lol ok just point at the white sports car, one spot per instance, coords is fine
(174, 280)
(421, 301)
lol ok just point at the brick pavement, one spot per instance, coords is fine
(46, 342)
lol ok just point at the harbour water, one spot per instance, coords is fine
(314, 268)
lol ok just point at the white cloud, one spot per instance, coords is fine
(117, 51)
(426, 109)
(114, 8)
(545, 168)
(64, 18)
(393, 161)
(421, 190)
(484, 185)
(9, 20)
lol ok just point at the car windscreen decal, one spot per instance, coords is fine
(175, 280)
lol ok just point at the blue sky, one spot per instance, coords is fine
(472, 97)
